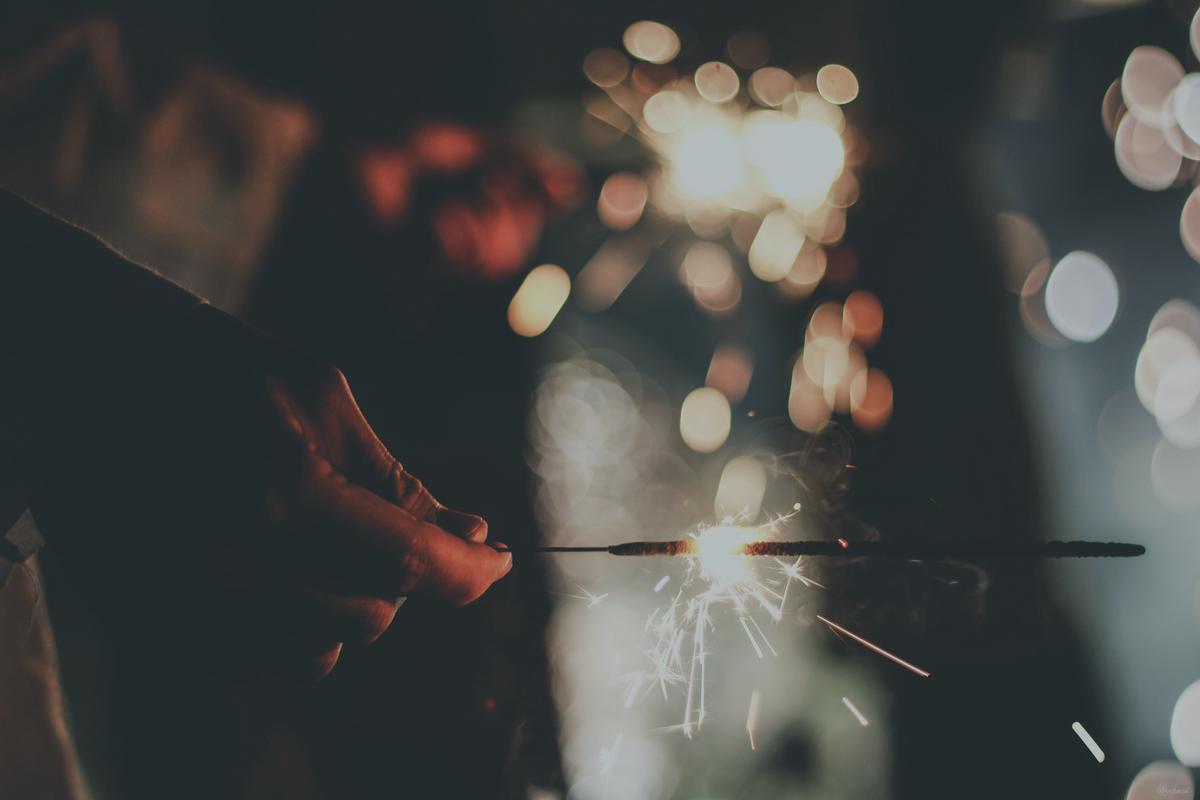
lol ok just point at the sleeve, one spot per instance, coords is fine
(75, 319)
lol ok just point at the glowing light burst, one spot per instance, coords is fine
(719, 581)
(723, 142)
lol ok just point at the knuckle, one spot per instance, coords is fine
(417, 500)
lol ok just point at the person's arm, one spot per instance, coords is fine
(168, 450)
(75, 319)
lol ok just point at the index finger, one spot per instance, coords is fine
(406, 553)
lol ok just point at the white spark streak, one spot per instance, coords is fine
(1087, 739)
(858, 715)
(592, 600)
(750, 636)
(713, 578)
(874, 647)
(752, 717)
(634, 688)
(608, 758)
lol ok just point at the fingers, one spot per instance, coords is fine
(471, 527)
(375, 539)
(366, 455)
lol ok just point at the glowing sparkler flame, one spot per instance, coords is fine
(719, 551)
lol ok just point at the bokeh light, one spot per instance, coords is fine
(622, 200)
(707, 270)
(651, 41)
(1149, 76)
(706, 162)
(741, 489)
(862, 317)
(1144, 156)
(704, 419)
(1185, 726)
(776, 246)
(771, 86)
(1082, 296)
(605, 67)
(1023, 247)
(837, 84)
(666, 111)
(538, 299)
(807, 407)
(871, 399)
(1189, 225)
(717, 82)
(729, 372)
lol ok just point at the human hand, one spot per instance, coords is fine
(234, 501)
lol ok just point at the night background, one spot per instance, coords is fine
(644, 271)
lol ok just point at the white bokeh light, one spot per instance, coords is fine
(704, 419)
(1185, 726)
(1082, 296)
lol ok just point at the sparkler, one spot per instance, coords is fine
(844, 548)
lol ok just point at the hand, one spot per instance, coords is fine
(234, 502)
(487, 198)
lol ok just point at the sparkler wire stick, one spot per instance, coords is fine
(873, 549)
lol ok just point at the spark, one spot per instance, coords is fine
(758, 650)
(661, 583)
(592, 600)
(635, 686)
(876, 648)
(858, 715)
(752, 717)
(718, 574)
(1087, 739)
(608, 758)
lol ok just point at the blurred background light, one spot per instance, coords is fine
(651, 41)
(717, 82)
(704, 419)
(771, 86)
(1149, 76)
(1081, 296)
(1144, 156)
(862, 317)
(871, 399)
(729, 372)
(1185, 726)
(837, 84)
(1189, 225)
(538, 299)
(707, 270)
(776, 246)
(605, 67)
(741, 489)
(706, 162)
(1022, 246)
(622, 200)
